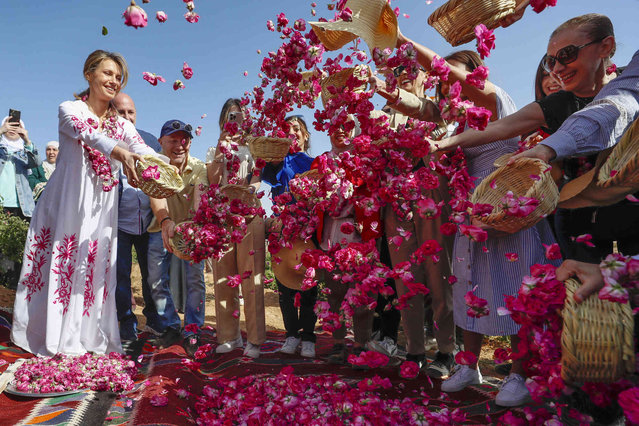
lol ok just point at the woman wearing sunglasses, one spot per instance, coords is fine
(482, 268)
(246, 257)
(578, 56)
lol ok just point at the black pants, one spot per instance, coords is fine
(296, 319)
(386, 321)
(619, 222)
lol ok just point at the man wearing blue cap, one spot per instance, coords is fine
(175, 139)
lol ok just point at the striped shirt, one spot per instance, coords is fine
(604, 120)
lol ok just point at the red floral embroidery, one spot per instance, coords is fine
(64, 268)
(89, 295)
(101, 165)
(38, 256)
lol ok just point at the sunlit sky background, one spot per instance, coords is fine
(45, 42)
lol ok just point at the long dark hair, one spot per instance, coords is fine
(469, 58)
(302, 123)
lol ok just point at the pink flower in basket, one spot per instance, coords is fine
(151, 172)
(518, 207)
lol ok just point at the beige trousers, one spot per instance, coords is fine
(433, 275)
(237, 261)
(362, 316)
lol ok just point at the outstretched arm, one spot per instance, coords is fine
(523, 121)
(485, 97)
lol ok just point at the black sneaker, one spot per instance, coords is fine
(338, 354)
(169, 338)
(191, 344)
(420, 359)
(441, 366)
(132, 348)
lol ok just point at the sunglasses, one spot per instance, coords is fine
(399, 70)
(178, 126)
(566, 55)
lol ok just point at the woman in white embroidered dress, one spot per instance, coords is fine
(65, 300)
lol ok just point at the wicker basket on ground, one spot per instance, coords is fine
(622, 166)
(526, 177)
(169, 183)
(597, 339)
(179, 245)
(271, 150)
(242, 193)
(339, 79)
(456, 20)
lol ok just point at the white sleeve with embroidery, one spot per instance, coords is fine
(134, 141)
(73, 126)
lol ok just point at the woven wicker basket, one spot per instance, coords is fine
(622, 166)
(457, 19)
(169, 183)
(597, 339)
(310, 174)
(271, 150)
(517, 178)
(242, 193)
(339, 79)
(179, 245)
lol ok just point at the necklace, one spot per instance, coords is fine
(102, 117)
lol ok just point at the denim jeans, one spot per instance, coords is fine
(159, 261)
(126, 317)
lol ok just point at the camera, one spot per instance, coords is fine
(236, 117)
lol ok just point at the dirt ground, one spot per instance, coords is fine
(272, 312)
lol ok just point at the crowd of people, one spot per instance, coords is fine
(74, 293)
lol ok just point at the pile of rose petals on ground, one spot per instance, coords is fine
(62, 373)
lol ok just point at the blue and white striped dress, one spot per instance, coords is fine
(490, 273)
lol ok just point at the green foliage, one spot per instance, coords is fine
(268, 274)
(13, 235)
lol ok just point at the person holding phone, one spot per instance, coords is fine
(65, 301)
(247, 257)
(17, 156)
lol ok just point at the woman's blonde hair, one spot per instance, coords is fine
(94, 60)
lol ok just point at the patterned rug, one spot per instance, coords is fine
(163, 371)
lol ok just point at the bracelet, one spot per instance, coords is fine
(165, 218)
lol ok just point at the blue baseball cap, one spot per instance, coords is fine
(173, 126)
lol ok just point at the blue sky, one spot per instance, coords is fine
(45, 43)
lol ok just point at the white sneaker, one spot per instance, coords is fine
(229, 346)
(251, 350)
(308, 349)
(513, 391)
(463, 377)
(290, 345)
(386, 346)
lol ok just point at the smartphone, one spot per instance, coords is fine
(14, 116)
(236, 117)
